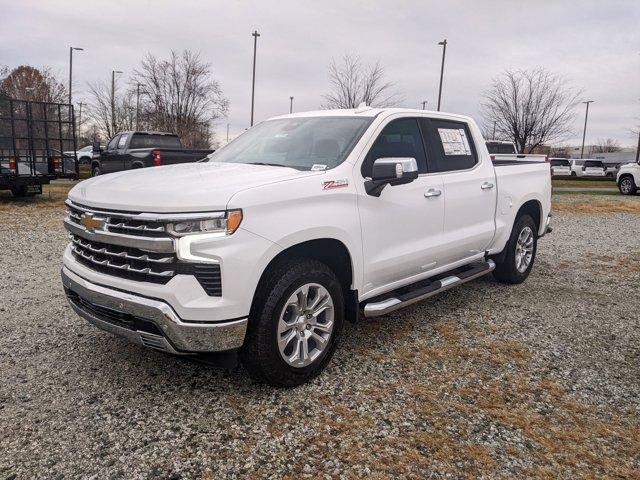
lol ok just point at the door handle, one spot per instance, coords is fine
(432, 192)
(486, 186)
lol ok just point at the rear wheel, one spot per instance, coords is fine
(521, 248)
(294, 328)
(95, 171)
(627, 186)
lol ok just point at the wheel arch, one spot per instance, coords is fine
(534, 209)
(330, 251)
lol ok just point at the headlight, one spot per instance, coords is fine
(227, 223)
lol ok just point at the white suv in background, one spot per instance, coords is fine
(560, 167)
(587, 168)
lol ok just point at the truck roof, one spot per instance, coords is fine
(371, 112)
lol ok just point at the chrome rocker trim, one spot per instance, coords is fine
(179, 337)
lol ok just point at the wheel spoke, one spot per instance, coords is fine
(320, 340)
(323, 327)
(321, 306)
(285, 340)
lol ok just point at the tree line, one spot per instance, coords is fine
(180, 94)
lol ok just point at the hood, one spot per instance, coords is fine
(189, 187)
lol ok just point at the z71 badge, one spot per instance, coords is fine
(329, 184)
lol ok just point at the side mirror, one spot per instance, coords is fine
(391, 171)
(96, 147)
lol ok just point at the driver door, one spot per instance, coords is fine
(402, 229)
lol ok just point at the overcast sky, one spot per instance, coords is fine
(595, 45)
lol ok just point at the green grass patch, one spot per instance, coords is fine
(583, 182)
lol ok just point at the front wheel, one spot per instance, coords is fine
(627, 186)
(516, 265)
(295, 325)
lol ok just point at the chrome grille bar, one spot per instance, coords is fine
(123, 254)
(106, 263)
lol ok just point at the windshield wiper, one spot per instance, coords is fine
(269, 164)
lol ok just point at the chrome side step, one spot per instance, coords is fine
(375, 309)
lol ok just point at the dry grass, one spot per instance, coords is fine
(601, 204)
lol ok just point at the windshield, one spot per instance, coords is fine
(304, 143)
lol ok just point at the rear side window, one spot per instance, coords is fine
(592, 164)
(559, 163)
(400, 138)
(143, 140)
(450, 144)
(501, 148)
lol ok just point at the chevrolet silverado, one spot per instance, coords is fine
(302, 222)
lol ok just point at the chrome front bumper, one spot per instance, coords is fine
(148, 322)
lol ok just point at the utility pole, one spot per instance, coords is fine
(290, 104)
(444, 52)
(638, 150)
(227, 133)
(71, 49)
(80, 104)
(584, 132)
(424, 104)
(113, 100)
(493, 137)
(255, 36)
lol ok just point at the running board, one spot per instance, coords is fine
(375, 309)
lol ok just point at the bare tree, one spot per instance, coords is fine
(352, 83)
(181, 96)
(29, 83)
(606, 145)
(560, 151)
(530, 107)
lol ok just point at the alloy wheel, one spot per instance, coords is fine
(524, 249)
(305, 325)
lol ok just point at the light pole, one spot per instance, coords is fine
(290, 104)
(255, 36)
(444, 52)
(113, 100)
(584, 132)
(227, 133)
(638, 150)
(494, 130)
(424, 104)
(71, 49)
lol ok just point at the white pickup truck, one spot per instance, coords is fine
(301, 223)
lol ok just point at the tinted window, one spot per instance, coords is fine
(400, 138)
(113, 142)
(450, 144)
(591, 163)
(500, 148)
(142, 140)
(559, 163)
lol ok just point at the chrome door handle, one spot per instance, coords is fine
(486, 186)
(432, 192)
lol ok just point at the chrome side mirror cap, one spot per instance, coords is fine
(391, 171)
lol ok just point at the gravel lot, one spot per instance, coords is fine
(536, 380)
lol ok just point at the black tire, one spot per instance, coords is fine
(506, 270)
(627, 185)
(260, 354)
(20, 191)
(95, 171)
(574, 174)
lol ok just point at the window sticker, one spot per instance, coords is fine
(454, 141)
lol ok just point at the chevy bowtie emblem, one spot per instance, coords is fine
(91, 222)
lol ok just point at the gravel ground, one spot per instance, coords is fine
(536, 380)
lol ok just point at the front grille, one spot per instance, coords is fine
(124, 224)
(134, 263)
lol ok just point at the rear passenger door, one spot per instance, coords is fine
(470, 189)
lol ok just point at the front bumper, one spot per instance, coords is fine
(149, 322)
